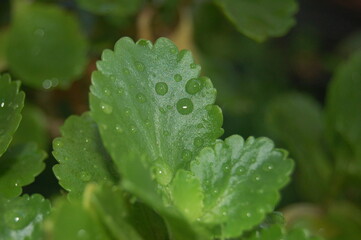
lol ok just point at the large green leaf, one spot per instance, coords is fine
(238, 184)
(343, 108)
(260, 19)
(81, 156)
(297, 122)
(22, 218)
(19, 166)
(45, 46)
(11, 104)
(149, 99)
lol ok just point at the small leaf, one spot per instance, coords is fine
(22, 217)
(81, 156)
(260, 19)
(45, 46)
(19, 166)
(240, 182)
(150, 100)
(11, 104)
(297, 122)
(343, 108)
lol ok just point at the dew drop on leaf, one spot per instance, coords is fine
(185, 106)
(85, 176)
(106, 108)
(82, 234)
(141, 98)
(17, 218)
(193, 86)
(139, 66)
(106, 92)
(2, 104)
(118, 128)
(177, 77)
(161, 88)
(193, 65)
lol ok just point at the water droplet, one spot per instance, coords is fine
(118, 128)
(198, 142)
(82, 234)
(39, 32)
(133, 129)
(16, 218)
(248, 214)
(257, 178)
(47, 84)
(86, 140)
(57, 142)
(85, 176)
(147, 123)
(186, 155)
(268, 167)
(106, 92)
(120, 91)
(126, 71)
(139, 66)
(193, 65)
(224, 213)
(161, 88)
(178, 78)
(2, 104)
(260, 191)
(241, 170)
(215, 191)
(141, 98)
(106, 108)
(185, 106)
(127, 111)
(193, 86)
(162, 172)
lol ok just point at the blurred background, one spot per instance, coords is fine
(277, 87)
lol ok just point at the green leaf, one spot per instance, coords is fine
(260, 19)
(82, 156)
(149, 99)
(240, 182)
(297, 122)
(32, 127)
(72, 221)
(19, 166)
(343, 111)
(11, 104)
(22, 217)
(276, 232)
(45, 46)
(119, 8)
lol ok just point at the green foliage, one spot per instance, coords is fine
(260, 19)
(45, 46)
(22, 217)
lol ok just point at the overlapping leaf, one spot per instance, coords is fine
(22, 218)
(18, 167)
(260, 19)
(150, 100)
(45, 46)
(11, 104)
(237, 183)
(82, 156)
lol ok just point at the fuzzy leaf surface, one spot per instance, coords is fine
(262, 18)
(81, 155)
(11, 104)
(150, 100)
(22, 217)
(45, 47)
(240, 182)
(19, 166)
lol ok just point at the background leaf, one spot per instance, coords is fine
(11, 104)
(19, 166)
(45, 46)
(81, 156)
(22, 217)
(260, 19)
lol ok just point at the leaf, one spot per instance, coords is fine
(240, 182)
(32, 127)
(343, 111)
(81, 156)
(276, 232)
(72, 221)
(118, 8)
(45, 46)
(11, 104)
(19, 166)
(3, 46)
(22, 217)
(150, 100)
(260, 19)
(296, 120)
